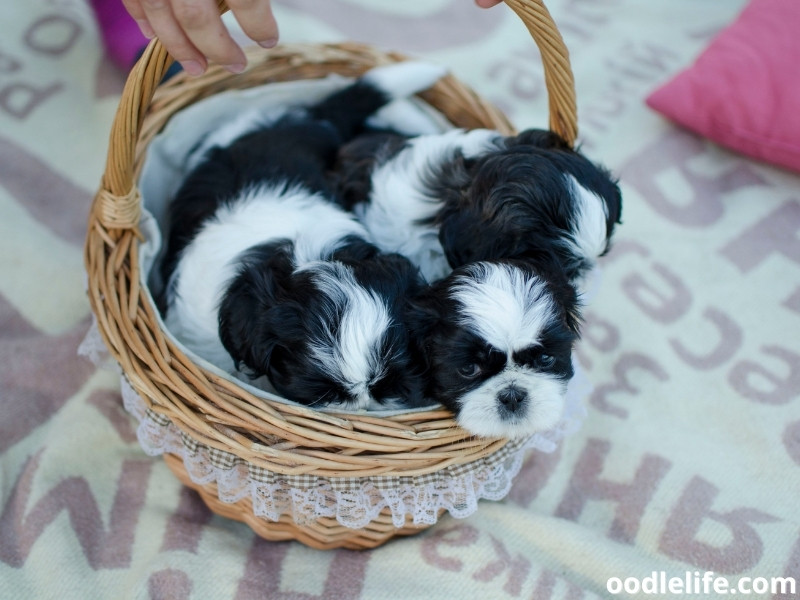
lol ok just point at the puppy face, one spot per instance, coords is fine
(320, 333)
(497, 339)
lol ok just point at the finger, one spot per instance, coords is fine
(202, 23)
(159, 16)
(256, 20)
(487, 3)
(136, 11)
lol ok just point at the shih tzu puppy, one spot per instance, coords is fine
(446, 200)
(505, 229)
(268, 275)
(496, 341)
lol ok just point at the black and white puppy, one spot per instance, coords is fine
(505, 228)
(265, 271)
(446, 200)
(496, 338)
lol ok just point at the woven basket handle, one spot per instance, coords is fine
(118, 202)
(555, 60)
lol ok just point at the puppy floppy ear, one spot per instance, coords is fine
(565, 293)
(252, 311)
(574, 319)
(570, 301)
(466, 232)
(427, 318)
(467, 235)
(423, 312)
(540, 138)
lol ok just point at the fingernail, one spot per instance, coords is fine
(237, 68)
(270, 43)
(192, 67)
(145, 28)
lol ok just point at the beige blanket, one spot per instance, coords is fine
(688, 462)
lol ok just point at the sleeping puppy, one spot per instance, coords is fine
(267, 274)
(496, 339)
(449, 199)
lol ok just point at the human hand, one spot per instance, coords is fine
(192, 31)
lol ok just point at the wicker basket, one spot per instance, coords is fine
(280, 438)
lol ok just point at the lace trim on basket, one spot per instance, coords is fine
(353, 502)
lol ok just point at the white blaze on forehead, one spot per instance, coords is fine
(502, 304)
(352, 353)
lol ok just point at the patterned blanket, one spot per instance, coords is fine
(686, 472)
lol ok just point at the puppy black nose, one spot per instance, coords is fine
(512, 397)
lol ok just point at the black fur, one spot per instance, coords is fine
(507, 203)
(270, 309)
(300, 148)
(347, 110)
(355, 162)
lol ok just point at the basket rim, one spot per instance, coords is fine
(164, 376)
(215, 412)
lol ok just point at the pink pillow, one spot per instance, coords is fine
(743, 91)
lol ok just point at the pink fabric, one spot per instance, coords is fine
(121, 35)
(743, 92)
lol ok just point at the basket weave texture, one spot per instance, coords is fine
(281, 438)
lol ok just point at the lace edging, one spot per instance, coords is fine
(354, 507)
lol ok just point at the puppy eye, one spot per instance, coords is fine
(545, 361)
(470, 371)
